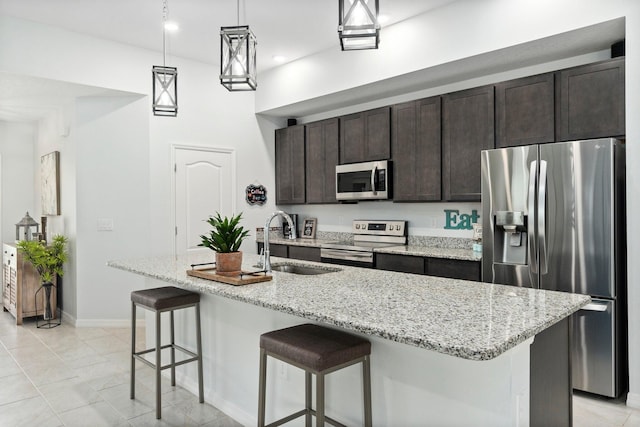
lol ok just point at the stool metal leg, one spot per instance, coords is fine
(158, 366)
(132, 392)
(366, 381)
(173, 351)
(199, 348)
(262, 388)
(320, 400)
(307, 398)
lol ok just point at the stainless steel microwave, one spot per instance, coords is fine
(364, 181)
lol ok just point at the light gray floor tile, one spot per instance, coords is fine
(15, 388)
(199, 412)
(90, 333)
(19, 338)
(8, 366)
(33, 354)
(633, 420)
(170, 418)
(118, 397)
(69, 394)
(47, 372)
(107, 344)
(33, 412)
(99, 414)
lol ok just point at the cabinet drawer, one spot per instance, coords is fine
(453, 268)
(401, 263)
(304, 253)
(275, 249)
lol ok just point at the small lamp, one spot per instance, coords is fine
(25, 228)
(165, 79)
(358, 26)
(238, 57)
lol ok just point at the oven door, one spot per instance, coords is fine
(347, 257)
(364, 181)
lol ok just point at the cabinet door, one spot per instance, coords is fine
(365, 136)
(416, 147)
(525, 111)
(468, 128)
(453, 268)
(321, 160)
(304, 253)
(590, 101)
(352, 134)
(290, 174)
(402, 263)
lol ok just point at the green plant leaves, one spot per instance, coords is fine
(47, 260)
(226, 234)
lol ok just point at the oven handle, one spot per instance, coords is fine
(348, 255)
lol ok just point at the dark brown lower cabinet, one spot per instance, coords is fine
(453, 268)
(440, 267)
(305, 253)
(401, 263)
(275, 249)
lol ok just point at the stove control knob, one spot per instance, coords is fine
(398, 227)
(357, 226)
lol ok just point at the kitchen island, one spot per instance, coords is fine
(444, 352)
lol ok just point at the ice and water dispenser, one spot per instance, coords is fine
(510, 237)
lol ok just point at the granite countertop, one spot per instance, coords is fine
(315, 243)
(470, 320)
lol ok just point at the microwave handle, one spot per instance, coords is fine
(374, 171)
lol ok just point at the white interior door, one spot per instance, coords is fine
(204, 183)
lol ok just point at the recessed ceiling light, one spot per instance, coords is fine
(279, 58)
(171, 26)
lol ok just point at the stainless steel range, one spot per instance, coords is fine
(367, 236)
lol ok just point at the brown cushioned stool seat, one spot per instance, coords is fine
(318, 350)
(159, 300)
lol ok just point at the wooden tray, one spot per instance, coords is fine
(246, 279)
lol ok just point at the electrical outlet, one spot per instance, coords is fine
(283, 371)
(105, 224)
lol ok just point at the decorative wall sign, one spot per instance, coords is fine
(50, 183)
(256, 194)
(457, 221)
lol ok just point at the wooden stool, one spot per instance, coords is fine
(318, 351)
(159, 300)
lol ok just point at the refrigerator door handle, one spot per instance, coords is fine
(542, 217)
(594, 306)
(533, 261)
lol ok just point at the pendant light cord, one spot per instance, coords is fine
(238, 12)
(165, 11)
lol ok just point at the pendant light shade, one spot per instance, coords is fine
(165, 79)
(358, 26)
(238, 58)
(165, 91)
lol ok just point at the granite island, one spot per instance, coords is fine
(444, 352)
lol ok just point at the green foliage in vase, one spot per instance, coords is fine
(47, 260)
(226, 234)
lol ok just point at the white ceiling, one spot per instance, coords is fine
(292, 28)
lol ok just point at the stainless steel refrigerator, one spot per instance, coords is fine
(554, 218)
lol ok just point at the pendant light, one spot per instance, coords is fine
(358, 26)
(165, 79)
(238, 57)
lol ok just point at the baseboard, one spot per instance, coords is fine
(633, 400)
(217, 400)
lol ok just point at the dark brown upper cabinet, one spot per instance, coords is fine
(467, 129)
(322, 151)
(525, 112)
(590, 101)
(416, 148)
(365, 136)
(290, 169)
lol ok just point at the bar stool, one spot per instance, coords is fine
(320, 351)
(159, 300)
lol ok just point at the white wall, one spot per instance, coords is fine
(16, 153)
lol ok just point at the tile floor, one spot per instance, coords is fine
(69, 376)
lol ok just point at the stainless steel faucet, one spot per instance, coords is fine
(267, 225)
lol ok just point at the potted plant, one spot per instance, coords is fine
(225, 239)
(48, 262)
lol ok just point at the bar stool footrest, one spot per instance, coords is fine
(301, 413)
(138, 356)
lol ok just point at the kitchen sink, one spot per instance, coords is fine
(303, 269)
